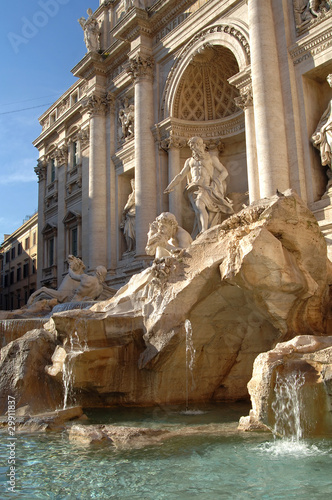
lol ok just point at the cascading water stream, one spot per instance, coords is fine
(76, 348)
(287, 406)
(190, 360)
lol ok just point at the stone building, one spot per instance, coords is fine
(18, 265)
(247, 76)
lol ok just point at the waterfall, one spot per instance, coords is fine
(76, 348)
(287, 406)
(190, 359)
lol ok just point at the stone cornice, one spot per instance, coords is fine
(311, 45)
(182, 130)
(91, 64)
(164, 11)
(134, 22)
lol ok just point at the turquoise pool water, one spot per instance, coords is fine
(230, 466)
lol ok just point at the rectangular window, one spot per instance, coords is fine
(6, 281)
(18, 274)
(11, 277)
(34, 238)
(51, 252)
(75, 154)
(52, 170)
(19, 249)
(7, 257)
(27, 243)
(26, 270)
(34, 266)
(74, 243)
(13, 253)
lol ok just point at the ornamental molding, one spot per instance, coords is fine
(134, 23)
(175, 132)
(140, 67)
(311, 46)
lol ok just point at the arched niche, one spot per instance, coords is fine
(200, 101)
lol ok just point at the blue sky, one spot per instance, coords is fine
(41, 41)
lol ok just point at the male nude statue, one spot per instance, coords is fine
(206, 188)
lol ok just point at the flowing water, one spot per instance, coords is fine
(190, 361)
(231, 465)
(76, 347)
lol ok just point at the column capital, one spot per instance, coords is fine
(61, 154)
(40, 170)
(172, 142)
(245, 99)
(97, 103)
(141, 66)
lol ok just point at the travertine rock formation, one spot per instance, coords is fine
(259, 278)
(23, 377)
(308, 357)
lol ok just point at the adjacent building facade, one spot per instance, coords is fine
(247, 76)
(18, 264)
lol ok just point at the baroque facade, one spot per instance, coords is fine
(246, 76)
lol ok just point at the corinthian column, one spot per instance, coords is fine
(245, 102)
(268, 101)
(97, 106)
(141, 71)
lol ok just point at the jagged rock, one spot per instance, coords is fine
(306, 356)
(259, 278)
(139, 437)
(22, 368)
(26, 421)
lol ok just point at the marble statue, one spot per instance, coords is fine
(90, 287)
(206, 186)
(127, 119)
(66, 290)
(128, 223)
(322, 137)
(166, 237)
(91, 30)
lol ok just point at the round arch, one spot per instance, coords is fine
(228, 35)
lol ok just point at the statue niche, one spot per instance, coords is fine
(128, 222)
(127, 120)
(206, 187)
